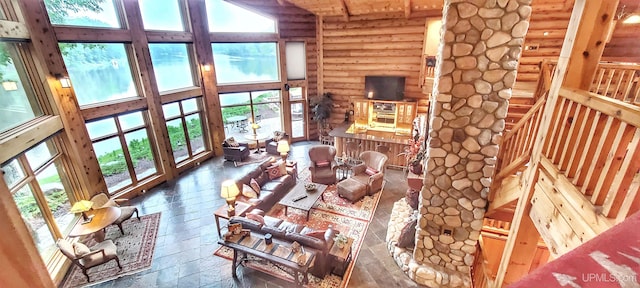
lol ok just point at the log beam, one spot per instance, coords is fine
(13, 30)
(344, 10)
(407, 9)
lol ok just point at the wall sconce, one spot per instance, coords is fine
(65, 82)
(207, 67)
(10, 85)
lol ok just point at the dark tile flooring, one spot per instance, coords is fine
(187, 235)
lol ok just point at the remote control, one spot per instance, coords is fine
(299, 198)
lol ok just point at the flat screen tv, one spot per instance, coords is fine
(384, 87)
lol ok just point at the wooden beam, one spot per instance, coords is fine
(581, 17)
(10, 30)
(344, 10)
(93, 35)
(248, 87)
(202, 43)
(320, 53)
(590, 41)
(407, 9)
(95, 112)
(147, 79)
(507, 194)
(22, 140)
(169, 37)
(180, 94)
(232, 37)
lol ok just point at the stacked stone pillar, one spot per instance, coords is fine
(476, 69)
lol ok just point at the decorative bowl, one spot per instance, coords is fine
(310, 186)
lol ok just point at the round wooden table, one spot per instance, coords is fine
(102, 218)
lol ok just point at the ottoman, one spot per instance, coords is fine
(351, 189)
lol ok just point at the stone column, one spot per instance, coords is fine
(480, 47)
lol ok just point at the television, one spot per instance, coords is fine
(384, 87)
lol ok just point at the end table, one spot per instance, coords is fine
(241, 209)
(340, 257)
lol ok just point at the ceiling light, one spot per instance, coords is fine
(546, 33)
(633, 19)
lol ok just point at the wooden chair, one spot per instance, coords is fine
(102, 200)
(99, 254)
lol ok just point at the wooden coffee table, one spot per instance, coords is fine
(102, 218)
(289, 200)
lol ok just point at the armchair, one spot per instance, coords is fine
(271, 144)
(235, 154)
(323, 173)
(102, 200)
(99, 254)
(376, 161)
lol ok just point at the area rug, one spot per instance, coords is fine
(348, 218)
(135, 250)
(254, 158)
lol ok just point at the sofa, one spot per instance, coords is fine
(318, 241)
(271, 190)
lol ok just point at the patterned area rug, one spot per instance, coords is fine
(254, 158)
(135, 250)
(348, 218)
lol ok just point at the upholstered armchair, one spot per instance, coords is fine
(371, 171)
(323, 165)
(102, 200)
(236, 154)
(85, 257)
(271, 144)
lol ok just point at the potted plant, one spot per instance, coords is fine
(322, 106)
(340, 240)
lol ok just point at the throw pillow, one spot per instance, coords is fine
(80, 249)
(232, 142)
(412, 198)
(278, 135)
(255, 186)
(256, 217)
(370, 171)
(248, 192)
(317, 234)
(321, 164)
(407, 237)
(274, 172)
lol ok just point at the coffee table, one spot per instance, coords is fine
(289, 200)
(102, 218)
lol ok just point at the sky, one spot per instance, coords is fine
(163, 15)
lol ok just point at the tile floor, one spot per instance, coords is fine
(187, 235)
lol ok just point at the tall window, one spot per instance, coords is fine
(99, 72)
(124, 152)
(241, 109)
(161, 15)
(171, 66)
(298, 102)
(226, 17)
(246, 62)
(39, 185)
(102, 13)
(184, 123)
(18, 104)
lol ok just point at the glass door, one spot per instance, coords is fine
(298, 101)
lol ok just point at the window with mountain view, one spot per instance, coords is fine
(19, 103)
(99, 72)
(86, 13)
(171, 66)
(226, 17)
(246, 62)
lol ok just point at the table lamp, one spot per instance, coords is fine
(229, 191)
(255, 127)
(283, 148)
(82, 206)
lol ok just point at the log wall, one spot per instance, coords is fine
(354, 49)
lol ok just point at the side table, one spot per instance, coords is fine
(293, 166)
(340, 257)
(241, 209)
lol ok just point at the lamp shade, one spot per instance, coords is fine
(255, 126)
(229, 189)
(283, 146)
(81, 206)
